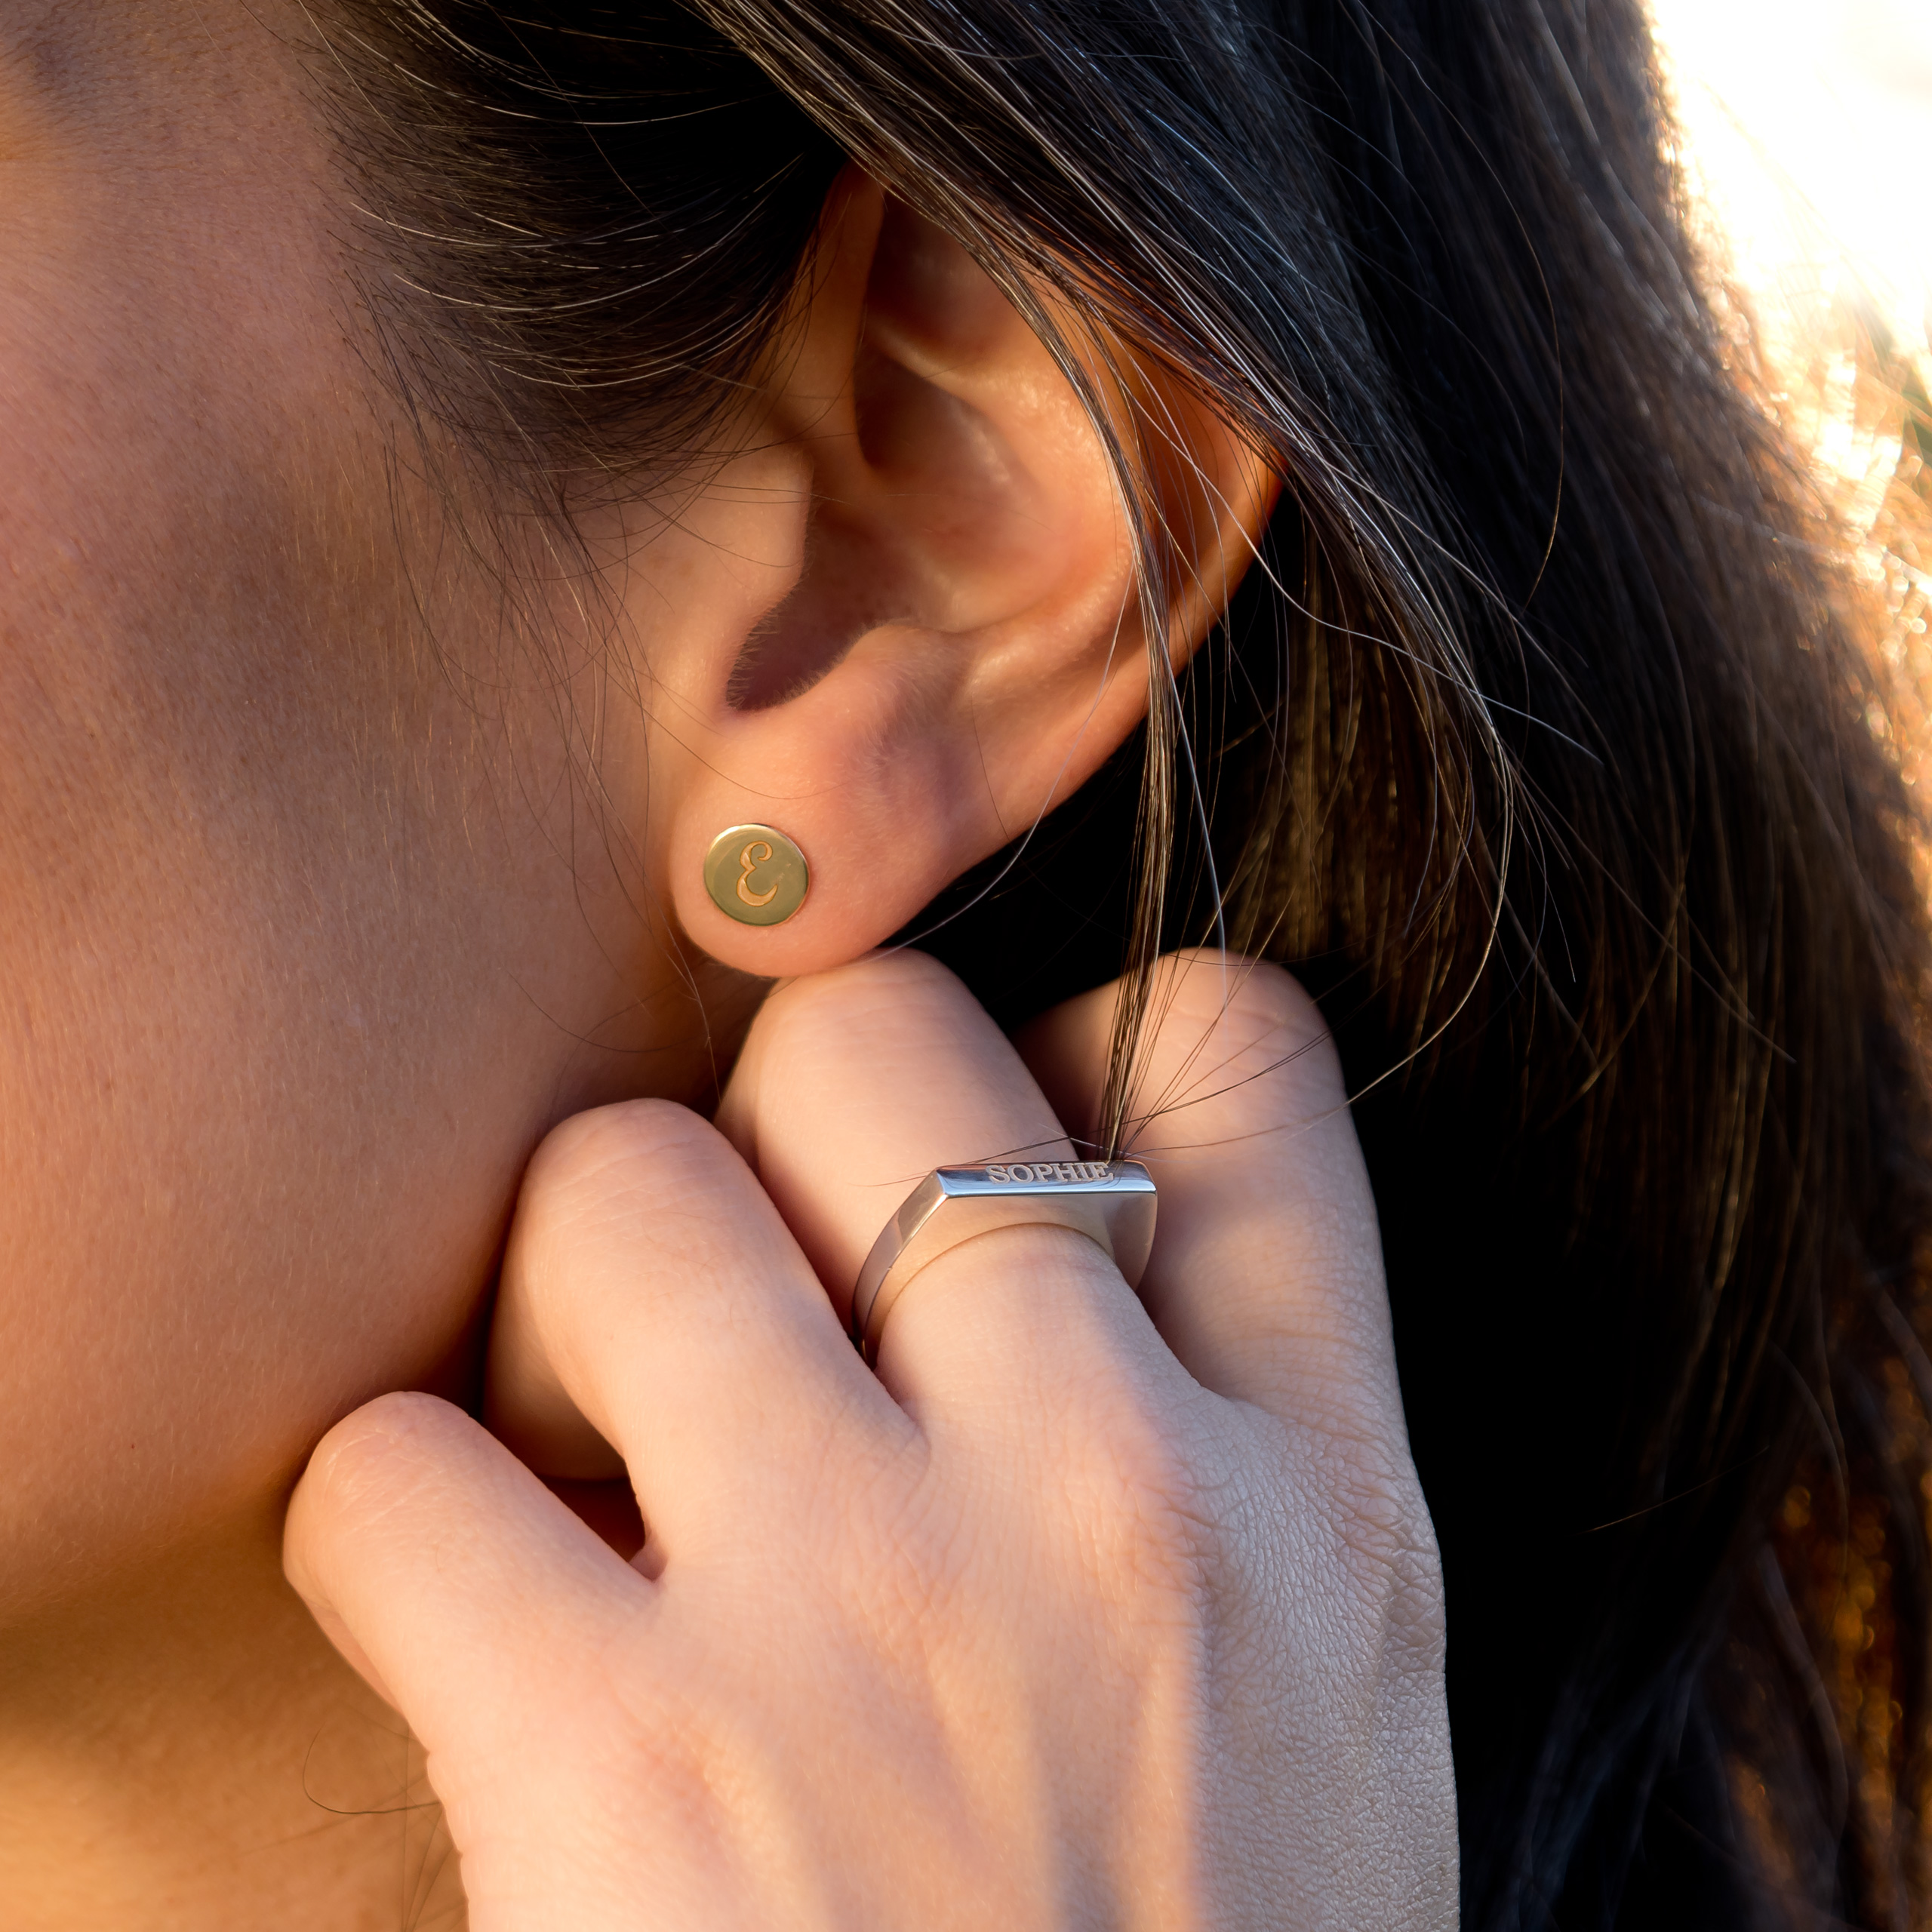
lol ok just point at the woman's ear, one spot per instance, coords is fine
(927, 631)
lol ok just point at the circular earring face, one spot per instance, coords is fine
(756, 874)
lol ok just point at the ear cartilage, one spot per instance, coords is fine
(756, 874)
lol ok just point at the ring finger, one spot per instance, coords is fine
(854, 1086)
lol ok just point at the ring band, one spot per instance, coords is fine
(1112, 1203)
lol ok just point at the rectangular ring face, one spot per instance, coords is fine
(1112, 1203)
(1047, 1176)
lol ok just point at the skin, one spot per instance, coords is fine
(1062, 1619)
(330, 894)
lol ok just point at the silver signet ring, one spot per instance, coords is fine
(1111, 1202)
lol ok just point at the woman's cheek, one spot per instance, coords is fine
(232, 904)
(224, 1042)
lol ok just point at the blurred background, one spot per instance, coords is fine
(1807, 150)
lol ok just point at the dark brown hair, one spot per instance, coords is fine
(1538, 752)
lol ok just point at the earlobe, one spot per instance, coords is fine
(958, 645)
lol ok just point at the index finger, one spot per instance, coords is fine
(1266, 1278)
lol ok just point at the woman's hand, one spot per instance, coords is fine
(1067, 1617)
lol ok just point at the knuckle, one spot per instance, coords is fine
(1379, 1530)
(1338, 1520)
(1263, 1022)
(605, 1143)
(1149, 1519)
(380, 1453)
(611, 1162)
(884, 1004)
(895, 974)
(1397, 1565)
(1266, 995)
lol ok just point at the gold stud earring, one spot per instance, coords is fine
(756, 874)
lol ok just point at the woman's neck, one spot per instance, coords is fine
(191, 1755)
